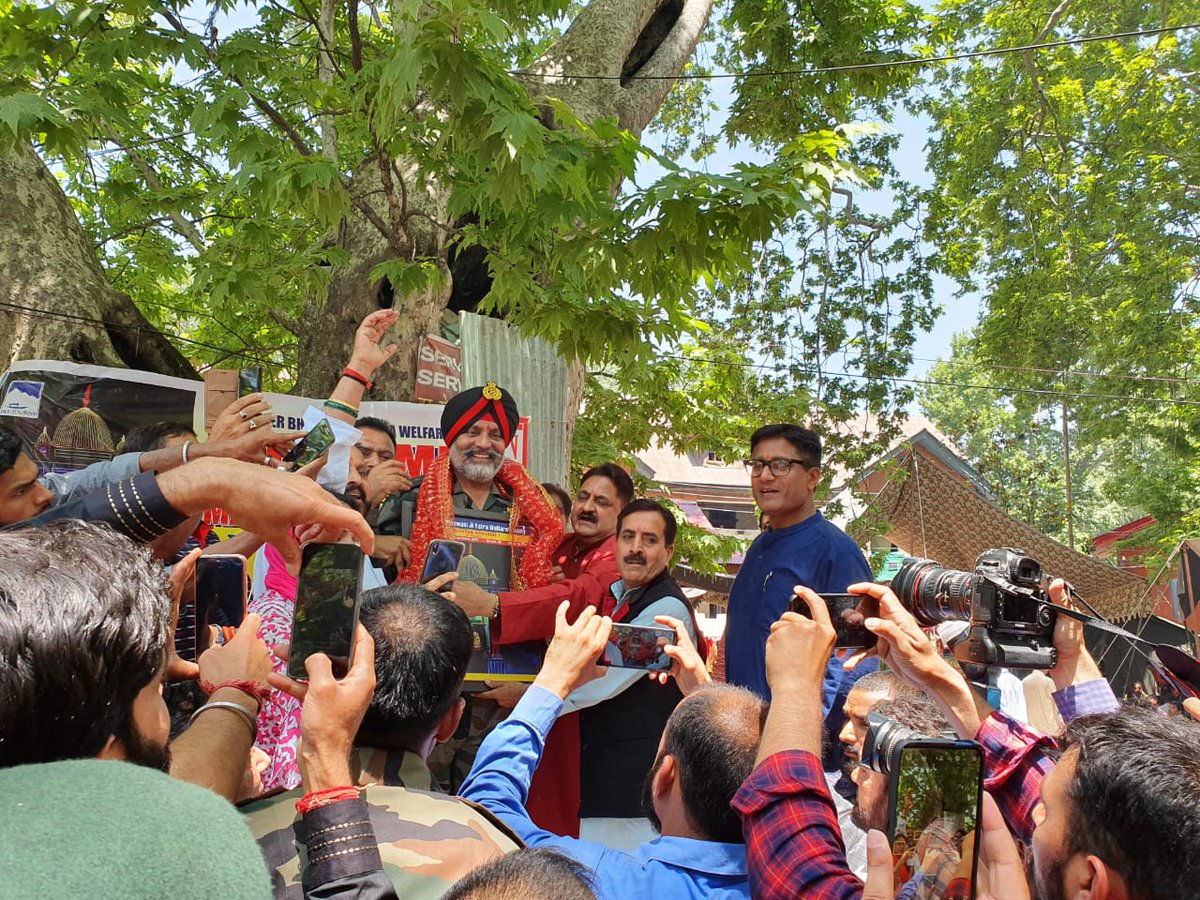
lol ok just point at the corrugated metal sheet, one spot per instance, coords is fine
(535, 374)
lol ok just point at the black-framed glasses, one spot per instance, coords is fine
(779, 466)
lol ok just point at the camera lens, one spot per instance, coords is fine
(934, 594)
(883, 738)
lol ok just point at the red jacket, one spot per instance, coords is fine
(529, 615)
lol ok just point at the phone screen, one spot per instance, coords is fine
(249, 380)
(934, 806)
(326, 613)
(311, 446)
(443, 557)
(847, 612)
(220, 594)
(638, 647)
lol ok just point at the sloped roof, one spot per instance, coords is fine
(935, 513)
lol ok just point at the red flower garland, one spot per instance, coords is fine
(434, 518)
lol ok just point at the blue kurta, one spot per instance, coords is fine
(814, 553)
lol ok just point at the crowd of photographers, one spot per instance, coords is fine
(386, 780)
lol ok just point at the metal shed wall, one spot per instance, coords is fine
(535, 374)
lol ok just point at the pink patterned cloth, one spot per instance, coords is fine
(279, 719)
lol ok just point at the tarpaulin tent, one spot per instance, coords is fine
(935, 512)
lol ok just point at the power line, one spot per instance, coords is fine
(857, 67)
(932, 383)
(36, 313)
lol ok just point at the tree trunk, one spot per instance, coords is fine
(622, 38)
(55, 301)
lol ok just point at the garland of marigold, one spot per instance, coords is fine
(434, 518)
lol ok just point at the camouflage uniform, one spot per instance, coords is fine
(427, 840)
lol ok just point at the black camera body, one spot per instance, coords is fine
(1009, 623)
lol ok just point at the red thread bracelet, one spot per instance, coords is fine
(257, 691)
(312, 800)
(359, 377)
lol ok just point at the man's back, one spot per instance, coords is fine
(427, 841)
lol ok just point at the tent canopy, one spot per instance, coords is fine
(935, 513)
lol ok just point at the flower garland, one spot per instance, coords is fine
(434, 519)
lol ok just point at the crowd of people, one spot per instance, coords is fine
(131, 766)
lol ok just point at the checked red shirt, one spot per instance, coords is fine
(793, 844)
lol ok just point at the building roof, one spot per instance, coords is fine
(1122, 532)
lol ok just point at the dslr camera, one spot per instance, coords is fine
(1002, 601)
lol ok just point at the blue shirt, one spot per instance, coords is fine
(671, 867)
(814, 553)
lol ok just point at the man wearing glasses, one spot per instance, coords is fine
(801, 547)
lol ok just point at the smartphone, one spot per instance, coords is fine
(327, 604)
(249, 380)
(220, 595)
(638, 647)
(935, 803)
(847, 612)
(443, 557)
(311, 446)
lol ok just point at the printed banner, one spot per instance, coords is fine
(71, 415)
(416, 428)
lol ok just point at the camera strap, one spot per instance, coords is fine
(1098, 623)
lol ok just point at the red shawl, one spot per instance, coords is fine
(434, 519)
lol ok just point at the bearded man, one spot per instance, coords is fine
(478, 425)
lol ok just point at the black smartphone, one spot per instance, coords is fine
(220, 595)
(638, 647)
(249, 380)
(935, 803)
(443, 557)
(847, 612)
(311, 446)
(327, 603)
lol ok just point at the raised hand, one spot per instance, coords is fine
(571, 656)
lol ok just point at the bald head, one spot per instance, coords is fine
(713, 736)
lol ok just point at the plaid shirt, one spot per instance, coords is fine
(793, 845)
(1016, 757)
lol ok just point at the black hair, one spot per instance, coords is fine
(84, 622)
(1134, 800)
(561, 497)
(144, 438)
(422, 647)
(806, 443)
(378, 425)
(531, 873)
(670, 526)
(714, 735)
(915, 710)
(887, 684)
(619, 477)
(11, 448)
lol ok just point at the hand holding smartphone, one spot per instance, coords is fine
(311, 446)
(327, 606)
(638, 647)
(847, 612)
(935, 805)
(220, 596)
(443, 557)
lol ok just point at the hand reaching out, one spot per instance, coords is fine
(368, 354)
(571, 656)
(687, 668)
(181, 575)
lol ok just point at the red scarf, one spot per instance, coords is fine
(434, 520)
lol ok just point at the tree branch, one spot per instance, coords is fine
(187, 229)
(355, 37)
(325, 70)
